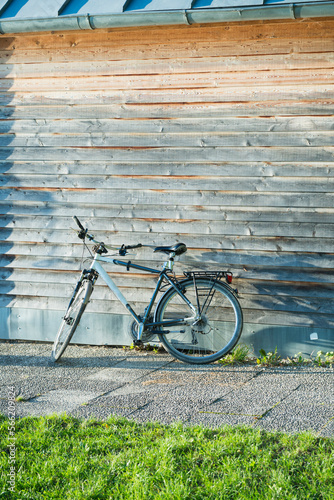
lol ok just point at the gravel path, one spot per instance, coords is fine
(99, 381)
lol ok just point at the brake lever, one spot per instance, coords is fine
(122, 251)
(82, 234)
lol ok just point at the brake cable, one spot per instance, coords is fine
(84, 245)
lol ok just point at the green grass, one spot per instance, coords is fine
(66, 458)
(242, 354)
(239, 355)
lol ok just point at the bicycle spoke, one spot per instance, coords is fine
(213, 333)
(71, 319)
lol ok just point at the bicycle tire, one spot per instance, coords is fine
(208, 339)
(71, 319)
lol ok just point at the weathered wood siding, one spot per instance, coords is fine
(218, 136)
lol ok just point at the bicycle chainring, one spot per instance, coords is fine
(146, 335)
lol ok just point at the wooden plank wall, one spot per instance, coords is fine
(219, 136)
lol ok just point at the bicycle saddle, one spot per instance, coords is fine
(178, 249)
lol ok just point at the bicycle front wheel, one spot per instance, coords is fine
(71, 319)
(211, 335)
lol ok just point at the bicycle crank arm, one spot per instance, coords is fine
(167, 331)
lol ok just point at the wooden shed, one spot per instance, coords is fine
(208, 122)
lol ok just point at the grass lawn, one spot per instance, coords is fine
(66, 458)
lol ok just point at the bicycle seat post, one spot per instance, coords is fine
(169, 264)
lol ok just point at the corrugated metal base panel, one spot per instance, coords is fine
(107, 329)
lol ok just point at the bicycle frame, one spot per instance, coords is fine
(96, 266)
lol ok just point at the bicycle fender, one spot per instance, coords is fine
(234, 291)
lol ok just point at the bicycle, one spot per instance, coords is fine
(198, 319)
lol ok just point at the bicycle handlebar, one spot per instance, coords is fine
(78, 222)
(83, 233)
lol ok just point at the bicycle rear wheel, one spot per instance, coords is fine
(208, 338)
(71, 319)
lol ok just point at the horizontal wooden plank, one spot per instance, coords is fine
(159, 49)
(266, 317)
(282, 303)
(274, 270)
(13, 240)
(54, 109)
(180, 139)
(47, 210)
(217, 169)
(240, 63)
(156, 154)
(292, 30)
(288, 303)
(40, 279)
(167, 197)
(22, 225)
(292, 291)
(273, 267)
(212, 80)
(253, 264)
(232, 93)
(177, 182)
(203, 123)
(70, 278)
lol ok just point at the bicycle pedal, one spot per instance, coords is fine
(138, 343)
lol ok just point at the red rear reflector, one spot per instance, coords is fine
(229, 277)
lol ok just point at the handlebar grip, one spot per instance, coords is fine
(78, 222)
(123, 250)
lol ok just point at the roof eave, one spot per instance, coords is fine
(168, 17)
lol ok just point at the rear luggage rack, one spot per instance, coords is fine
(213, 275)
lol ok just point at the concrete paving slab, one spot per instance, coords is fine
(106, 405)
(98, 386)
(32, 387)
(220, 419)
(257, 395)
(166, 410)
(54, 402)
(130, 370)
(241, 404)
(295, 416)
(16, 376)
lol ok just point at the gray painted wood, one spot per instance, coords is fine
(157, 154)
(196, 124)
(179, 182)
(175, 140)
(45, 212)
(276, 170)
(168, 197)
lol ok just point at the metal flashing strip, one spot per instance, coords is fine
(293, 14)
(84, 22)
(170, 17)
(262, 13)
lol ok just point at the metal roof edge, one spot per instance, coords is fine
(171, 17)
